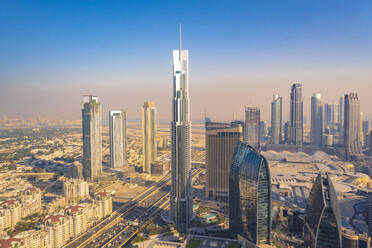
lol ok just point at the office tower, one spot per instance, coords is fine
(92, 139)
(181, 193)
(252, 127)
(264, 131)
(149, 129)
(220, 141)
(366, 133)
(250, 195)
(296, 113)
(118, 139)
(341, 111)
(352, 139)
(322, 225)
(276, 120)
(316, 134)
(286, 132)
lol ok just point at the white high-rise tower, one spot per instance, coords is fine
(181, 194)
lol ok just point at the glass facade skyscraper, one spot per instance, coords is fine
(296, 115)
(322, 224)
(276, 120)
(250, 195)
(92, 139)
(316, 132)
(118, 138)
(181, 193)
(252, 126)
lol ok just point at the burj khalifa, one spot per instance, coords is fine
(181, 194)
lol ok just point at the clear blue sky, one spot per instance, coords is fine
(52, 52)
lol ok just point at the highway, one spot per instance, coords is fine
(122, 233)
(105, 224)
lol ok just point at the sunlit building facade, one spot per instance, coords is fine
(149, 129)
(250, 195)
(352, 139)
(118, 139)
(220, 142)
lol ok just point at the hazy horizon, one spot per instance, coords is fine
(241, 54)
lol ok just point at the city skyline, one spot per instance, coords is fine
(287, 163)
(53, 66)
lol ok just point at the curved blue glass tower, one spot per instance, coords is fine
(322, 226)
(250, 195)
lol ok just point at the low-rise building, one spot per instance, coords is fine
(12, 212)
(34, 238)
(79, 218)
(31, 201)
(103, 204)
(59, 228)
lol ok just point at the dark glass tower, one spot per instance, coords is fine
(250, 195)
(92, 139)
(322, 227)
(296, 112)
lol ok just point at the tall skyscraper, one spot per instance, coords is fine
(366, 132)
(341, 113)
(149, 130)
(92, 139)
(181, 193)
(352, 138)
(252, 127)
(330, 113)
(286, 132)
(250, 195)
(316, 134)
(296, 114)
(118, 139)
(276, 119)
(220, 141)
(322, 222)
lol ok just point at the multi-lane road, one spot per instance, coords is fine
(123, 234)
(100, 229)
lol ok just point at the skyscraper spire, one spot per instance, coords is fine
(179, 44)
